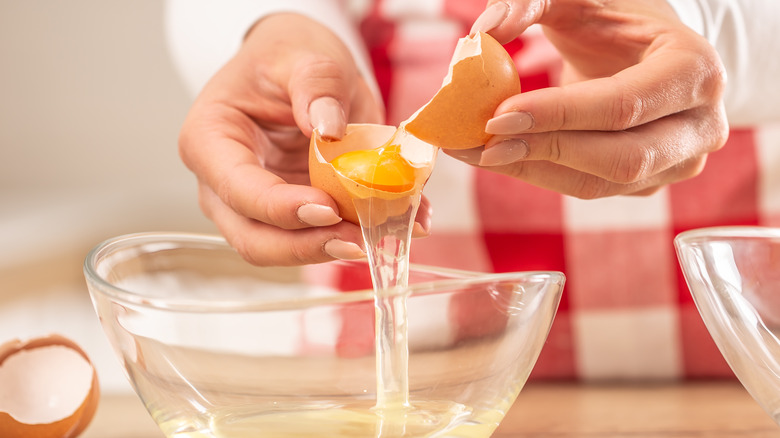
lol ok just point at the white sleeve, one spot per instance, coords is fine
(202, 35)
(744, 32)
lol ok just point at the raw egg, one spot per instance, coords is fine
(48, 388)
(393, 163)
(382, 168)
(481, 76)
(370, 161)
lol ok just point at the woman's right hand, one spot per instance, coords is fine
(246, 140)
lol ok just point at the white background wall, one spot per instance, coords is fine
(90, 109)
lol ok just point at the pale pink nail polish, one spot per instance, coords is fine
(342, 250)
(508, 151)
(327, 116)
(469, 156)
(490, 18)
(317, 215)
(515, 122)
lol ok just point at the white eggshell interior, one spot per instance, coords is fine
(467, 47)
(45, 384)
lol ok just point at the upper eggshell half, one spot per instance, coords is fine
(481, 76)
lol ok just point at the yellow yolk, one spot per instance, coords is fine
(382, 168)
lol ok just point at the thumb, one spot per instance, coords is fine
(319, 93)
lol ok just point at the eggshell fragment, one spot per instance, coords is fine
(48, 388)
(344, 190)
(481, 76)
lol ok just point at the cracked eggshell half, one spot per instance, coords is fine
(48, 388)
(345, 191)
(481, 76)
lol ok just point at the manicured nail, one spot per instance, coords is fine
(515, 122)
(317, 215)
(327, 117)
(468, 156)
(340, 249)
(490, 18)
(508, 151)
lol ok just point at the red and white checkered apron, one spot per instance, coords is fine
(626, 311)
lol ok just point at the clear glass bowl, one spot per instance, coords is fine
(734, 276)
(216, 347)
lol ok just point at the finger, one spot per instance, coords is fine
(285, 153)
(583, 185)
(232, 171)
(422, 221)
(624, 156)
(634, 96)
(469, 156)
(680, 172)
(253, 192)
(366, 107)
(319, 90)
(262, 244)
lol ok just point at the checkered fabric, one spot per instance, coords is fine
(626, 312)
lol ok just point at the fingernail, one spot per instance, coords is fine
(317, 215)
(327, 117)
(508, 151)
(468, 156)
(515, 122)
(490, 18)
(340, 249)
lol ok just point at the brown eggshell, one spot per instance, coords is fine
(344, 190)
(482, 75)
(68, 427)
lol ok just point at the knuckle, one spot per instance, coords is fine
(246, 251)
(632, 165)
(564, 115)
(300, 254)
(319, 67)
(626, 110)
(714, 73)
(693, 167)
(720, 129)
(591, 187)
(224, 189)
(274, 212)
(554, 147)
(708, 75)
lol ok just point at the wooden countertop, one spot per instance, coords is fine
(561, 410)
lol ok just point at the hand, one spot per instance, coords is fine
(245, 139)
(639, 106)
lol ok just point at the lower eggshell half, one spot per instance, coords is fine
(343, 190)
(69, 427)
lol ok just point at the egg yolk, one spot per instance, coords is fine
(382, 168)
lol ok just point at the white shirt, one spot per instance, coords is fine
(203, 35)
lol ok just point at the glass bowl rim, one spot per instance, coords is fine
(118, 294)
(726, 232)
